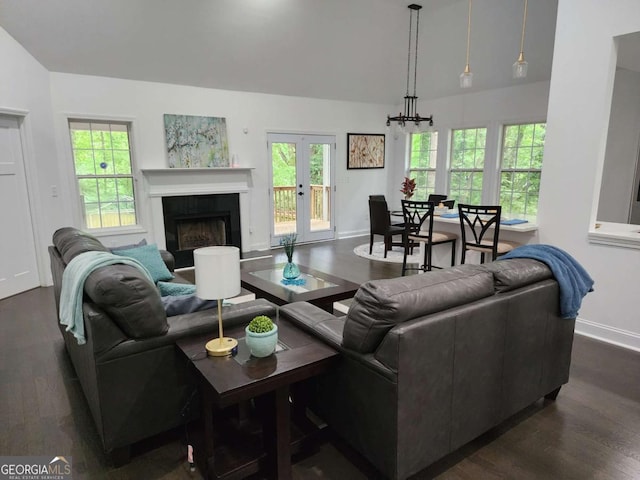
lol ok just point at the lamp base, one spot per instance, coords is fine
(221, 347)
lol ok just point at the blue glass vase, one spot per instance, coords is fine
(290, 271)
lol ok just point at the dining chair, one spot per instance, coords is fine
(380, 224)
(480, 229)
(436, 198)
(418, 220)
(441, 236)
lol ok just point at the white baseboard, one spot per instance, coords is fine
(353, 233)
(605, 333)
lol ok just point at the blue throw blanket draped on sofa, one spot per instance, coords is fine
(573, 279)
(73, 278)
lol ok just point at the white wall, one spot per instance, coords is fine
(622, 149)
(24, 90)
(145, 103)
(577, 121)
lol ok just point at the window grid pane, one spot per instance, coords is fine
(467, 164)
(522, 153)
(102, 161)
(423, 157)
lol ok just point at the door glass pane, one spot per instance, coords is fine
(283, 160)
(320, 175)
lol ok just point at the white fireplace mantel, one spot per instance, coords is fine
(166, 182)
(171, 182)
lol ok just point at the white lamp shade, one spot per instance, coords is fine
(217, 272)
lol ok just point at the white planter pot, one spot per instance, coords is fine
(262, 344)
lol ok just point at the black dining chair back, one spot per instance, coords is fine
(380, 224)
(436, 198)
(378, 198)
(480, 229)
(448, 203)
(418, 227)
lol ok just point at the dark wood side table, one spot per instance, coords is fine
(226, 381)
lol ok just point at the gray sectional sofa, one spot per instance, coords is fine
(136, 382)
(431, 361)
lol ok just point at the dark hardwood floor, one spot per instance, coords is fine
(591, 431)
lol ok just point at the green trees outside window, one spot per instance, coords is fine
(467, 165)
(102, 161)
(521, 168)
(423, 159)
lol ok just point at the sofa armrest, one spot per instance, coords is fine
(321, 323)
(193, 324)
(168, 259)
(328, 328)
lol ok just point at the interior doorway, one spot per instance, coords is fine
(18, 265)
(302, 186)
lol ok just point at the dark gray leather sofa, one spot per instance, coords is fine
(431, 361)
(136, 382)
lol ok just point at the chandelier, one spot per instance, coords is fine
(410, 101)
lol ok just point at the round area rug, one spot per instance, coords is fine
(393, 256)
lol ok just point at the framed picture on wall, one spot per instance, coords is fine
(365, 150)
(196, 142)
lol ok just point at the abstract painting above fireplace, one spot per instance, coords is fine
(195, 221)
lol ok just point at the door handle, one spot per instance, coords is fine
(300, 193)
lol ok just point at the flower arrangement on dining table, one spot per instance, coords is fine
(408, 187)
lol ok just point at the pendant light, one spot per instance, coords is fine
(466, 77)
(520, 66)
(410, 101)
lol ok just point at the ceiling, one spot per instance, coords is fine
(331, 49)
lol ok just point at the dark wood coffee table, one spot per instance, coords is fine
(320, 288)
(226, 381)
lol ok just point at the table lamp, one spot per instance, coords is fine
(218, 277)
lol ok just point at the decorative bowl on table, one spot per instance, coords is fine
(441, 210)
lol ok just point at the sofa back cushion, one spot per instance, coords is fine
(381, 304)
(129, 298)
(71, 242)
(517, 272)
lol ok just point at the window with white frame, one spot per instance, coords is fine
(467, 165)
(103, 167)
(521, 168)
(422, 163)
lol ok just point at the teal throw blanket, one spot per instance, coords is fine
(572, 278)
(73, 278)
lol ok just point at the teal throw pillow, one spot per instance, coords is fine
(149, 256)
(173, 289)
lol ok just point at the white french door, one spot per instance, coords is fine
(302, 186)
(18, 264)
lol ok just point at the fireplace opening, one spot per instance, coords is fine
(198, 233)
(195, 221)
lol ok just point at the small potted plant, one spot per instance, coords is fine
(261, 336)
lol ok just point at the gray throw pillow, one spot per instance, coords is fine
(127, 247)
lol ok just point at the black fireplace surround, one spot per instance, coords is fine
(195, 221)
